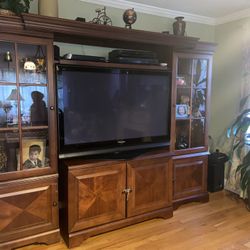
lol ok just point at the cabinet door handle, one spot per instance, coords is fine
(127, 191)
(54, 204)
(51, 107)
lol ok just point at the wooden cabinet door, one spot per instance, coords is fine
(27, 117)
(95, 195)
(28, 207)
(191, 87)
(149, 182)
(190, 177)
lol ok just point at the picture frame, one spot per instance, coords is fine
(38, 146)
(182, 111)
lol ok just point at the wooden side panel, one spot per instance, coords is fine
(27, 208)
(95, 196)
(190, 176)
(150, 184)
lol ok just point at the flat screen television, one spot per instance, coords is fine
(112, 110)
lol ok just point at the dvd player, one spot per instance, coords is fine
(133, 57)
(131, 60)
(70, 56)
(132, 53)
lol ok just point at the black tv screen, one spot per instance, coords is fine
(105, 110)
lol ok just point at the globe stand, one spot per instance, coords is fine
(129, 18)
(128, 26)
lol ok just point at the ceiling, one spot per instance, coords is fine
(208, 8)
(212, 12)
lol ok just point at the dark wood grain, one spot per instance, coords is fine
(28, 207)
(149, 183)
(95, 201)
(189, 178)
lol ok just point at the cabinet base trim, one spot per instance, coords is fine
(47, 238)
(75, 239)
(204, 197)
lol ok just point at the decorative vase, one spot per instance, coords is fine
(48, 8)
(179, 26)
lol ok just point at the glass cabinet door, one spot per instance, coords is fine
(24, 140)
(191, 102)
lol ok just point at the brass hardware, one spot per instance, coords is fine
(127, 191)
(54, 204)
(7, 56)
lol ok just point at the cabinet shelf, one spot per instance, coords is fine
(183, 87)
(7, 83)
(183, 119)
(25, 128)
(198, 118)
(115, 65)
(33, 84)
(9, 129)
(204, 88)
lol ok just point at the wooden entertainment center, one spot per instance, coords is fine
(95, 195)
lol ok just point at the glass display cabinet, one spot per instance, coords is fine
(28, 162)
(191, 101)
(192, 88)
(24, 99)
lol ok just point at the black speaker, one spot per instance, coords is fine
(216, 165)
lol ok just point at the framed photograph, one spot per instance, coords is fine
(182, 111)
(33, 153)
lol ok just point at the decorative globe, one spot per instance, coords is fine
(129, 17)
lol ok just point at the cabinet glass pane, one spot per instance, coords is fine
(35, 149)
(200, 70)
(9, 151)
(7, 62)
(191, 98)
(8, 106)
(183, 100)
(198, 103)
(34, 110)
(32, 64)
(184, 72)
(182, 134)
(198, 133)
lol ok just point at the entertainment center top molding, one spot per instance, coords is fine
(71, 31)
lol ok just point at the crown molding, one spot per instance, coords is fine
(152, 10)
(233, 17)
(162, 12)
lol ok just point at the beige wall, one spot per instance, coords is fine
(228, 75)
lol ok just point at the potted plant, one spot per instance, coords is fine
(244, 170)
(239, 132)
(14, 6)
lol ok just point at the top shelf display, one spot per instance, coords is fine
(109, 35)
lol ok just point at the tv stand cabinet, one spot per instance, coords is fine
(102, 195)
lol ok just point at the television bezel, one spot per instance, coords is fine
(115, 146)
